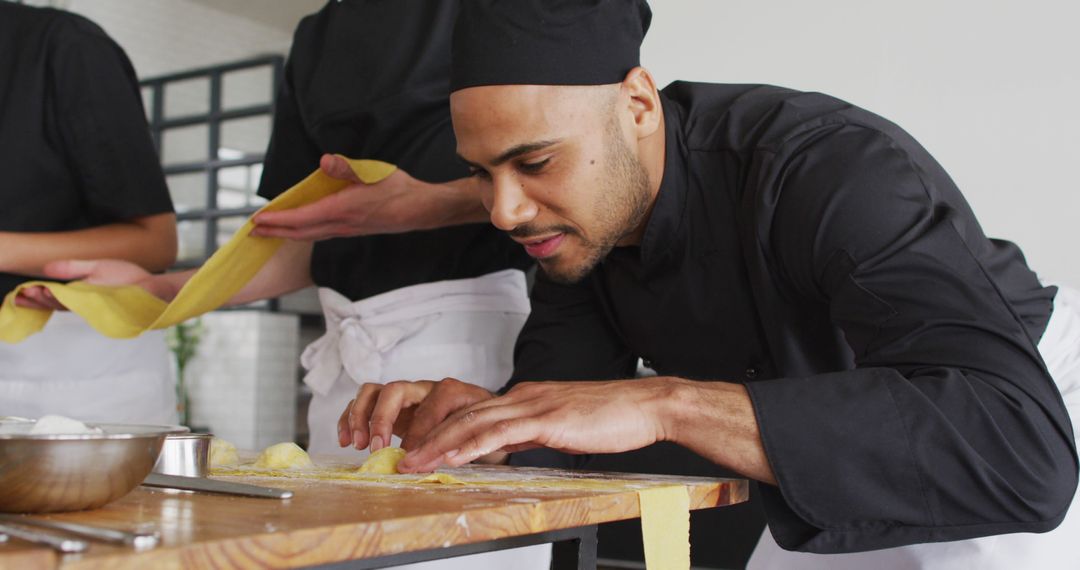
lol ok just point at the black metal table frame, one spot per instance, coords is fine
(572, 549)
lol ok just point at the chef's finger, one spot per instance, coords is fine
(325, 210)
(520, 447)
(40, 298)
(28, 298)
(344, 434)
(428, 414)
(394, 397)
(446, 397)
(319, 231)
(360, 413)
(336, 166)
(504, 433)
(70, 268)
(451, 436)
(489, 438)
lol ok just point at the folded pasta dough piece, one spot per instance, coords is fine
(383, 461)
(665, 527)
(128, 311)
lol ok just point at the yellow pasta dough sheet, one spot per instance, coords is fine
(665, 507)
(128, 311)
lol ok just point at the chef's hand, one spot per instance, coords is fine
(99, 272)
(408, 409)
(399, 203)
(574, 417)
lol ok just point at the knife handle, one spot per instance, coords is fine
(137, 540)
(58, 543)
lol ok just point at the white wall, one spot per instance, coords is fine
(991, 88)
(163, 36)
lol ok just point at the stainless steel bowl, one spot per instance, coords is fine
(185, 454)
(55, 473)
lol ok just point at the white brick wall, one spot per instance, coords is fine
(242, 382)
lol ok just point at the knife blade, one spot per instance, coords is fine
(214, 486)
(138, 540)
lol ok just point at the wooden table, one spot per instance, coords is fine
(371, 525)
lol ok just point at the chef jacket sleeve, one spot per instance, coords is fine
(950, 426)
(292, 155)
(102, 126)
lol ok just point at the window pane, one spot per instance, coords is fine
(188, 191)
(247, 87)
(245, 137)
(227, 227)
(148, 101)
(184, 144)
(192, 235)
(237, 185)
(189, 97)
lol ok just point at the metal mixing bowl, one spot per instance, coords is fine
(55, 473)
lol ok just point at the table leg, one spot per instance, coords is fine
(575, 553)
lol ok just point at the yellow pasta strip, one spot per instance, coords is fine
(665, 527)
(128, 311)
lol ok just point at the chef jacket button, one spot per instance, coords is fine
(647, 363)
(751, 373)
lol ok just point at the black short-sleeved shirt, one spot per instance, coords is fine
(370, 79)
(818, 254)
(74, 146)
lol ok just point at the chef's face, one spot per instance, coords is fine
(556, 169)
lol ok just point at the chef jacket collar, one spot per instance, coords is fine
(665, 229)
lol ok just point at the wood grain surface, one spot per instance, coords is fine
(332, 520)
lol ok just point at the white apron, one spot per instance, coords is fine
(463, 329)
(72, 370)
(1057, 549)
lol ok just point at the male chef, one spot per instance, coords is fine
(822, 308)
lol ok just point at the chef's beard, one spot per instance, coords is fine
(621, 207)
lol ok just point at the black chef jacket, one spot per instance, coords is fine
(818, 254)
(370, 79)
(75, 151)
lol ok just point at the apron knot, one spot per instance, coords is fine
(354, 343)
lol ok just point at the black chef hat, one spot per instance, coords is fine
(547, 42)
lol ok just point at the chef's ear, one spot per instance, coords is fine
(640, 90)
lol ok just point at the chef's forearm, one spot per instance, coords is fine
(716, 420)
(149, 241)
(454, 203)
(288, 270)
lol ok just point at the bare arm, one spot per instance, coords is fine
(287, 271)
(398, 204)
(714, 419)
(149, 242)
